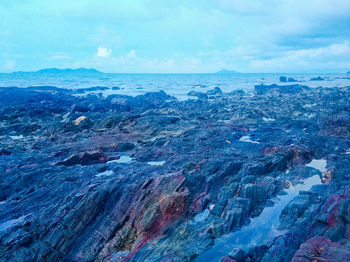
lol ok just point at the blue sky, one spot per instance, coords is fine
(176, 35)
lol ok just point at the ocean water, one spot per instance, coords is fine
(261, 229)
(174, 84)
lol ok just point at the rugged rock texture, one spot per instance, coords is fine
(67, 193)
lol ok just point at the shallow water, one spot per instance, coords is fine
(11, 223)
(248, 139)
(261, 229)
(156, 163)
(319, 164)
(129, 160)
(268, 119)
(119, 256)
(202, 216)
(105, 173)
(17, 137)
(123, 160)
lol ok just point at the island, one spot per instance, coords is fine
(225, 71)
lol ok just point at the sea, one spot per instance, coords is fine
(177, 85)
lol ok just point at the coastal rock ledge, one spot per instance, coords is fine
(151, 178)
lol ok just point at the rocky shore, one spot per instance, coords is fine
(151, 178)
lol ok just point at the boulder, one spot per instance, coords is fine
(283, 79)
(322, 249)
(86, 158)
(317, 79)
(215, 91)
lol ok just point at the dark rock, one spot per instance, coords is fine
(237, 254)
(124, 146)
(237, 92)
(86, 158)
(321, 249)
(197, 94)
(291, 80)
(317, 79)
(227, 259)
(87, 208)
(79, 108)
(49, 88)
(91, 89)
(283, 79)
(288, 89)
(215, 91)
(4, 152)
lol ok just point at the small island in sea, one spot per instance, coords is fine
(57, 71)
(225, 71)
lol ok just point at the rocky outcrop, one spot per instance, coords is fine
(321, 249)
(149, 178)
(86, 158)
(284, 89)
(317, 79)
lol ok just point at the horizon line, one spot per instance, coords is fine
(229, 72)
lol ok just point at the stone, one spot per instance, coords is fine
(317, 79)
(238, 254)
(283, 79)
(215, 91)
(63, 210)
(86, 158)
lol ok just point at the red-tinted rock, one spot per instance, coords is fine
(321, 249)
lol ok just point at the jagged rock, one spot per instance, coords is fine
(317, 79)
(215, 91)
(283, 79)
(197, 94)
(227, 259)
(140, 208)
(238, 254)
(86, 158)
(287, 89)
(321, 249)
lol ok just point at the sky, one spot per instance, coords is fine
(176, 36)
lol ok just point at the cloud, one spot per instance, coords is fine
(103, 52)
(9, 65)
(332, 57)
(246, 35)
(131, 63)
(60, 57)
(105, 36)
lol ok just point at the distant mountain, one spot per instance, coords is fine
(68, 70)
(56, 71)
(225, 71)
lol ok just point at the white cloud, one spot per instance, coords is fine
(105, 36)
(131, 63)
(9, 65)
(245, 35)
(132, 54)
(103, 52)
(60, 57)
(335, 56)
(246, 7)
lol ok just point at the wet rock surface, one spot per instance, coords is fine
(68, 194)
